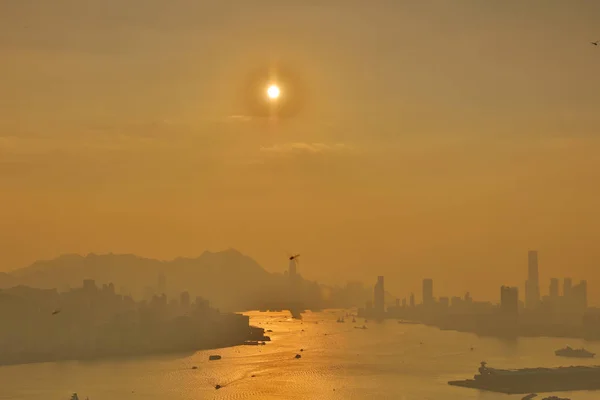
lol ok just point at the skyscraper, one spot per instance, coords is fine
(427, 291)
(509, 300)
(379, 297)
(532, 286)
(412, 300)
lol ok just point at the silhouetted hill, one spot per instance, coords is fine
(229, 279)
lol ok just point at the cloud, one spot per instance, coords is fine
(305, 148)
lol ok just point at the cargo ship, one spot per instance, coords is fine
(532, 380)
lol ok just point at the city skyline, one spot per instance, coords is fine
(421, 149)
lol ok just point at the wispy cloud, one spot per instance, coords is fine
(305, 148)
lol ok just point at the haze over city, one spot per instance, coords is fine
(440, 139)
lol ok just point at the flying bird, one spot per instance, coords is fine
(55, 311)
(596, 43)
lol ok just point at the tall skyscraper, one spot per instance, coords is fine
(553, 289)
(509, 300)
(379, 296)
(412, 300)
(532, 286)
(427, 291)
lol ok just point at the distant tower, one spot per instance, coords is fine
(532, 286)
(412, 300)
(509, 300)
(427, 291)
(553, 289)
(379, 297)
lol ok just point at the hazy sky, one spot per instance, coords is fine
(438, 138)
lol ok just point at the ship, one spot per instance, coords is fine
(576, 353)
(532, 380)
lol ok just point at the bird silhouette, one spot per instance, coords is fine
(55, 312)
(596, 43)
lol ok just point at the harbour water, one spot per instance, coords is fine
(386, 361)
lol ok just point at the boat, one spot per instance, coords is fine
(529, 396)
(533, 380)
(555, 398)
(341, 319)
(214, 357)
(353, 319)
(217, 387)
(576, 353)
(298, 356)
(360, 327)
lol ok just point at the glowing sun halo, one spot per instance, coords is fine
(273, 92)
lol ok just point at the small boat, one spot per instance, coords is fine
(555, 398)
(214, 357)
(194, 367)
(298, 356)
(529, 396)
(217, 387)
(576, 353)
(360, 327)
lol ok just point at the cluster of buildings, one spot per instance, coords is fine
(94, 321)
(554, 307)
(573, 300)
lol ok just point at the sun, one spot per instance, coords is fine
(273, 92)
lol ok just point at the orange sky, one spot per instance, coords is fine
(440, 139)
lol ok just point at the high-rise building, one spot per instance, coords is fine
(379, 296)
(404, 302)
(553, 289)
(578, 297)
(397, 303)
(532, 286)
(412, 300)
(427, 291)
(509, 300)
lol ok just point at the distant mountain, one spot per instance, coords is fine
(229, 279)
